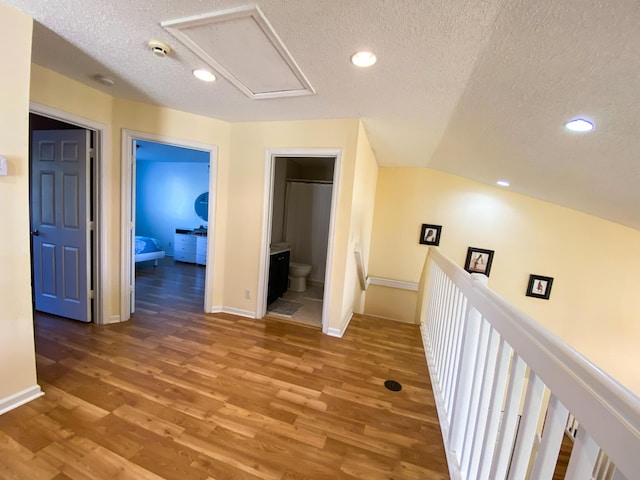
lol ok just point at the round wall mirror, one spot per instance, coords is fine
(202, 206)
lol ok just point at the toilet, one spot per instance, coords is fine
(298, 273)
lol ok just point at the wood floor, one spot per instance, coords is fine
(179, 394)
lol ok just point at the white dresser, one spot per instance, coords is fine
(201, 250)
(190, 248)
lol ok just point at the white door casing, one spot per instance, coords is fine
(127, 226)
(102, 179)
(132, 229)
(267, 217)
(60, 223)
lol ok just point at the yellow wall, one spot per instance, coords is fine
(57, 91)
(240, 186)
(362, 207)
(246, 194)
(594, 262)
(17, 355)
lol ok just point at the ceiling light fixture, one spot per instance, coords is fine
(579, 125)
(503, 183)
(363, 59)
(104, 80)
(204, 75)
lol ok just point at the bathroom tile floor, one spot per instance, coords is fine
(311, 311)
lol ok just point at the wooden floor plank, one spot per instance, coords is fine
(179, 394)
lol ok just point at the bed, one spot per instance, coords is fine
(147, 248)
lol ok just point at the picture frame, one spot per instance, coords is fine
(430, 234)
(479, 260)
(539, 286)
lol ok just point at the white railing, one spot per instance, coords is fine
(506, 388)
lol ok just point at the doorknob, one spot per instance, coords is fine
(35, 233)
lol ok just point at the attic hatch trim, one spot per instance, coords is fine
(175, 28)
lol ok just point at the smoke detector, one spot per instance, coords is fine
(159, 48)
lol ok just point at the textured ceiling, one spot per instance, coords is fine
(477, 88)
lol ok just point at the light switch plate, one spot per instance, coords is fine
(3, 165)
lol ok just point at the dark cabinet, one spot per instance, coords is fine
(278, 275)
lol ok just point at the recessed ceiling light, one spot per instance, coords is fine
(579, 125)
(363, 59)
(503, 183)
(104, 80)
(204, 75)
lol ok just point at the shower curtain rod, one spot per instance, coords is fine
(329, 182)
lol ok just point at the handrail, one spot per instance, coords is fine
(459, 312)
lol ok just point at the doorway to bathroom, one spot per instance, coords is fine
(300, 228)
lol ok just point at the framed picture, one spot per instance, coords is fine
(430, 234)
(539, 286)
(478, 260)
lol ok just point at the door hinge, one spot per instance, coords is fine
(91, 225)
(92, 294)
(92, 153)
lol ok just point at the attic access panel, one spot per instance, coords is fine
(241, 45)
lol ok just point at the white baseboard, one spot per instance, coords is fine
(339, 332)
(452, 457)
(216, 309)
(239, 312)
(20, 398)
(112, 319)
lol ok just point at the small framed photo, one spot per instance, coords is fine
(430, 234)
(539, 286)
(479, 260)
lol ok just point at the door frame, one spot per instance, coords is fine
(267, 218)
(126, 223)
(101, 182)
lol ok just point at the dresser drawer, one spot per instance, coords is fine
(184, 257)
(184, 240)
(185, 249)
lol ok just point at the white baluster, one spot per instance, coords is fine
(552, 435)
(462, 395)
(477, 449)
(476, 389)
(448, 333)
(583, 457)
(495, 410)
(443, 322)
(451, 342)
(457, 348)
(509, 423)
(527, 431)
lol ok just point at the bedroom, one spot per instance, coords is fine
(171, 200)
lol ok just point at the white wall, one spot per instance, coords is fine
(308, 214)
(165, 196)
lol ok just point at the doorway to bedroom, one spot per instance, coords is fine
(170, 213)
(64, 200)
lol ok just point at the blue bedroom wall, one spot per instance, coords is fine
(166, 191)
